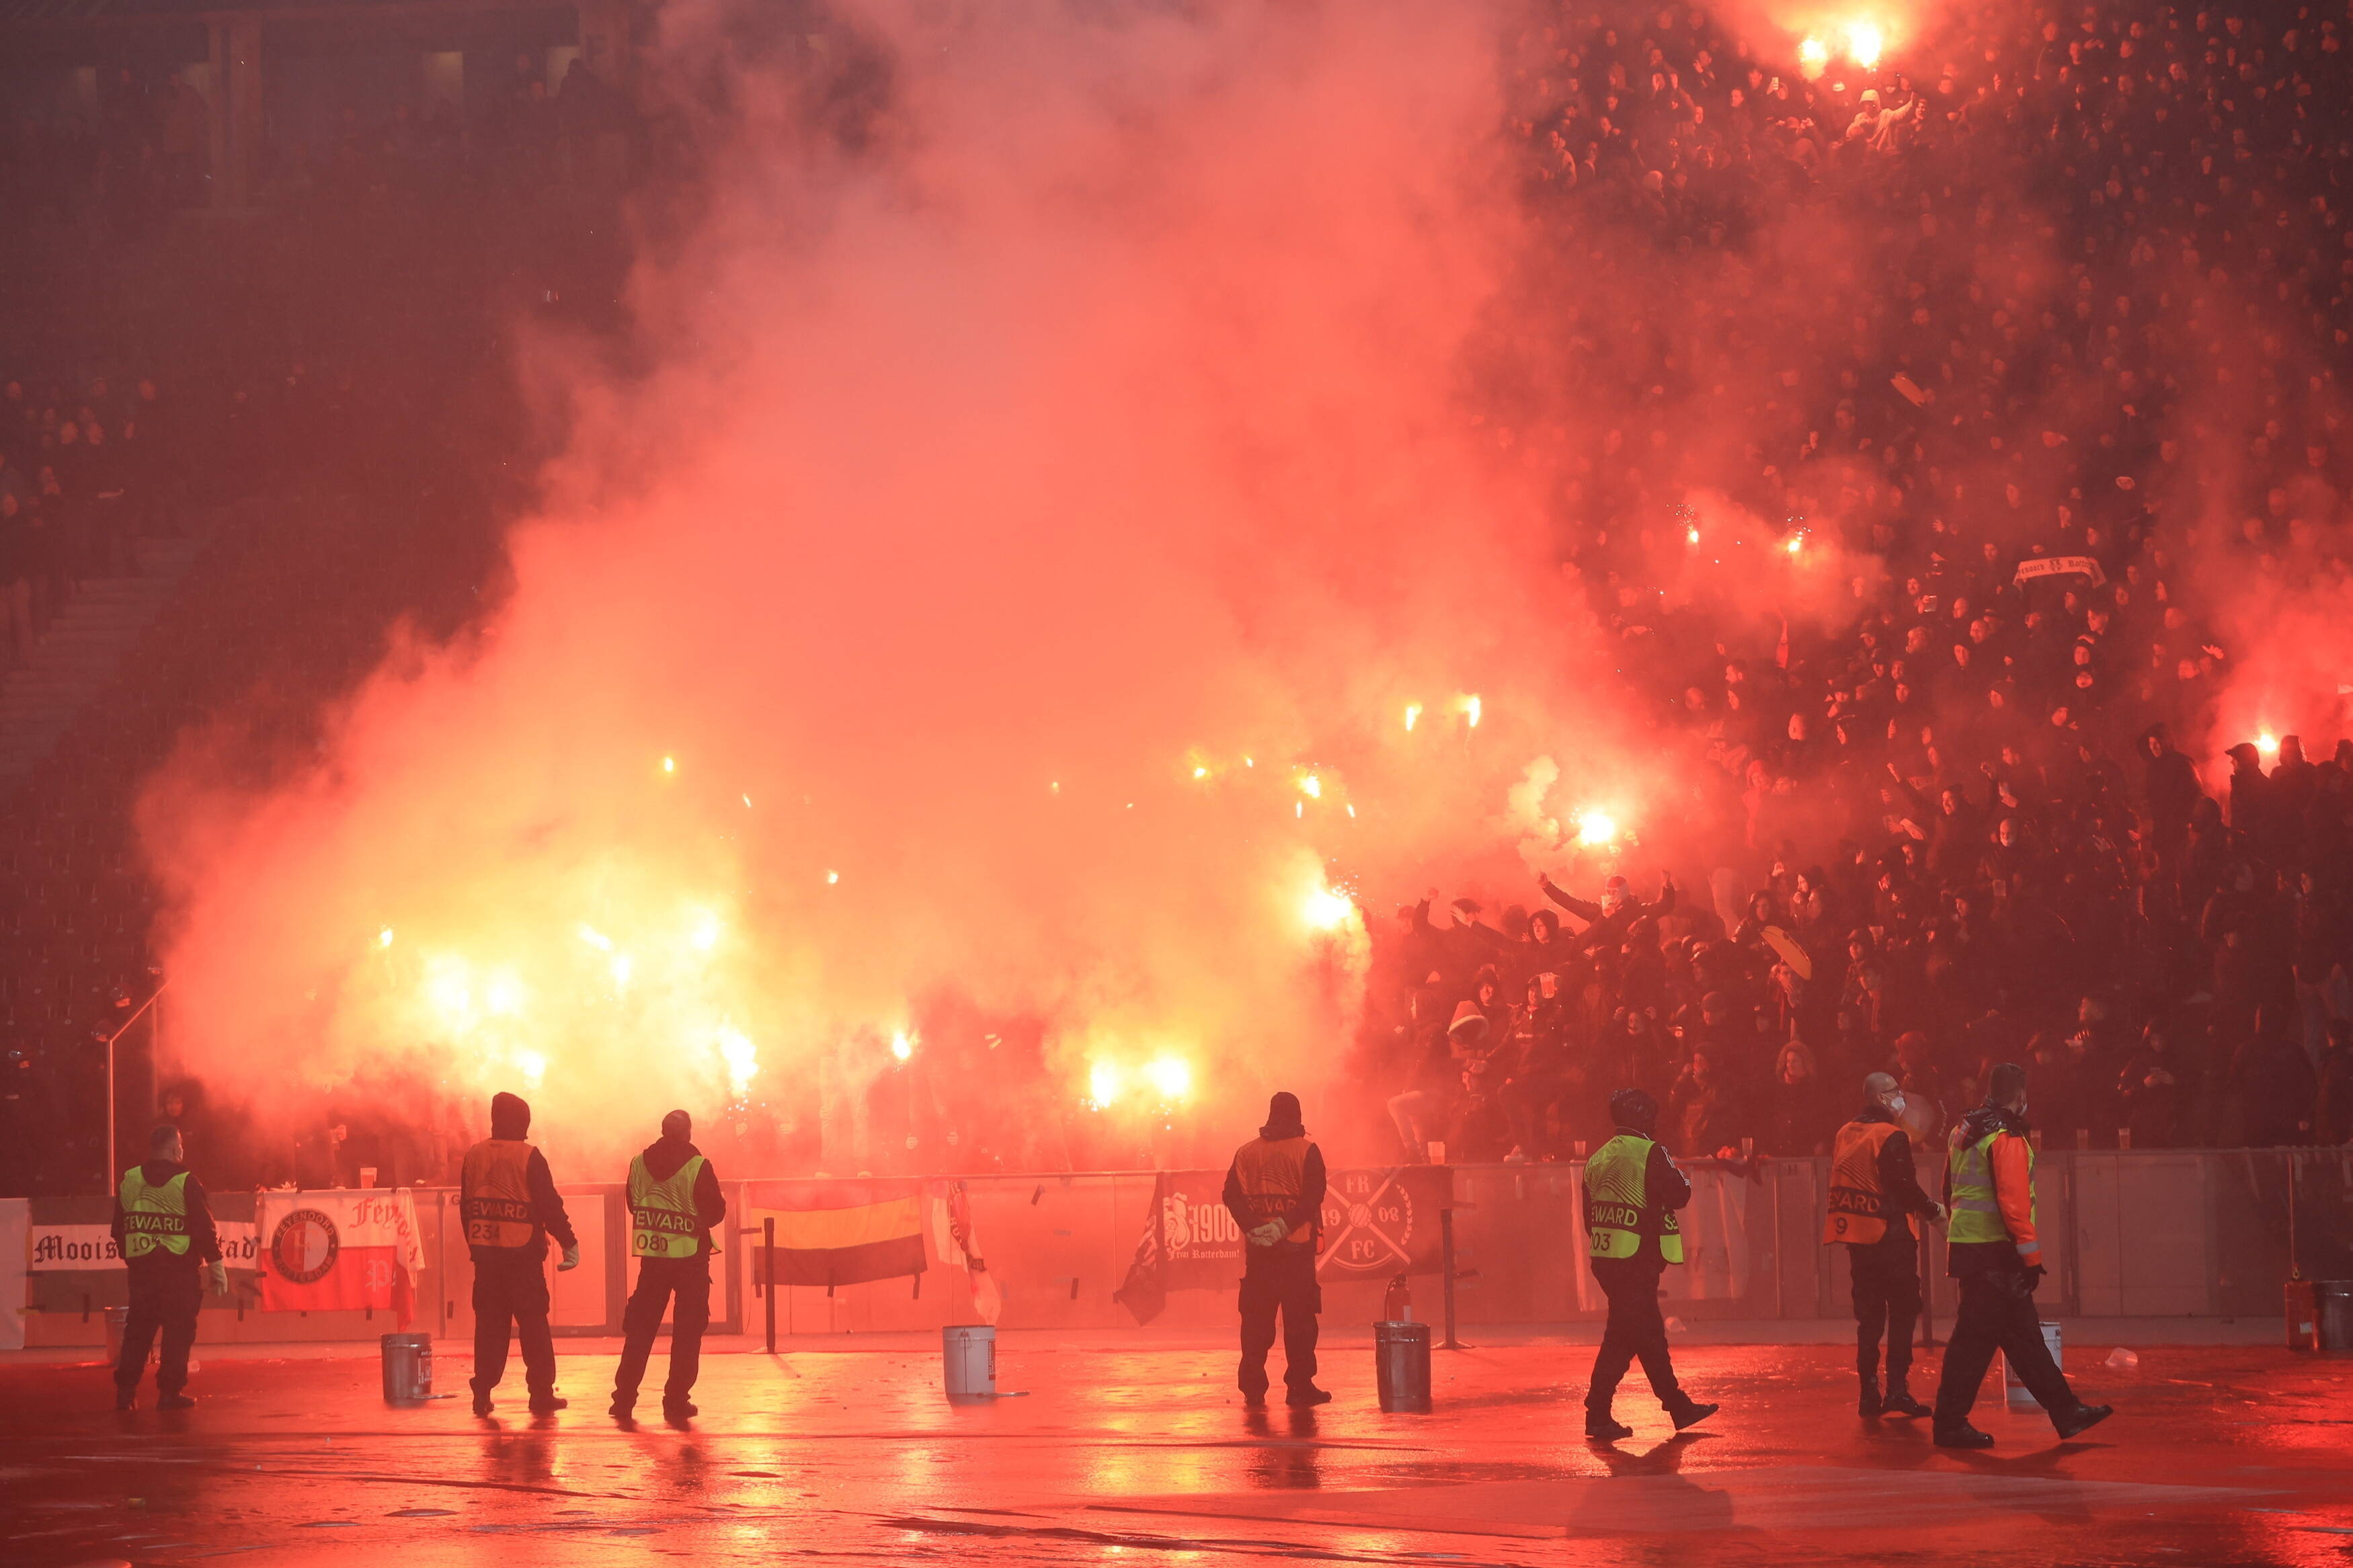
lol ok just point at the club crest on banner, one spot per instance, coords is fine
(303, 1247)
(1369, 1224)
(1377, 1224)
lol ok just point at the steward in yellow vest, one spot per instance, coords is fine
(674, 1202)
(1631, 1193)
(1995, 1253)
(507, 1197)
(1274, 1190)
(163, 1226)
(1875, 1204)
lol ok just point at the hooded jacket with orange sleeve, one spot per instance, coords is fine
(2010, 1163)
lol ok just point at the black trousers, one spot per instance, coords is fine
(510, 1292)
(1636, 1330)
(661, 1281)
(1528, 1100)
(1886, 1279)
(1281, 1278)
(1997, 1313)
(164, 1296)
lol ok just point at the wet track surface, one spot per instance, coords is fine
(1145, 1454)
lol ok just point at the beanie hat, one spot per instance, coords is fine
(1469, 1022)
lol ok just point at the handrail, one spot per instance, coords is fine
(111, 1110)
(138, 1012)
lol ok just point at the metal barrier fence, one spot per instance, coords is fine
(2174, 1233)
(2157, 1233)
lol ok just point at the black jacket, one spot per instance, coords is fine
(511, 1120)
(204, 1241)
(1604, 930)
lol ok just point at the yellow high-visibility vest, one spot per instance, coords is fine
(1977, 1213)
(155, 1217)
(1618, 1201)
(662, 1215)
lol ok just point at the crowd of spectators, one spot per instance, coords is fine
(87, 468)
(144, 146)
(2024, 341)
(2014, 352)
(80, 468)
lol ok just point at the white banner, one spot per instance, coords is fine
(240, 1247)
(2060, 566)
(1716, 1242)
(67, 1249)
(60, 1248)
(16, 1219)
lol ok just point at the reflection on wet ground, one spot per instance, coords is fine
(1145, 1454)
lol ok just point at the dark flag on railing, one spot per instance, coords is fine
(841, 1233)
(1144, 1293)
(1377, 1224)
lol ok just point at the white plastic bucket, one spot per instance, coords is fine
(968, 1359)
(2020, 1397)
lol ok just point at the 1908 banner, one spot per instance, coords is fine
(1377, 1224)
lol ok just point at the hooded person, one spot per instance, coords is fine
(1995, 1252)
(674, 1205)
(1631, 1193)
(1274, 1190)
(2250, 794)
(507, 1196)
(1875, 1204)
(2172, 792)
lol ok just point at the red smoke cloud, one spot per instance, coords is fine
(1036, 485)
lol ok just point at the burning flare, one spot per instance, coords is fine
(1324, 909)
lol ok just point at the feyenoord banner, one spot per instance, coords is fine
(332, 1251)
(1377, 1224)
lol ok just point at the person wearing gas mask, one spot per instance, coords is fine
(1997, 1255)
(1875, 1204)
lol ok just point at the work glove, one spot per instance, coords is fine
(571, 1259)
(218, 1271)
(2034, 1272)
